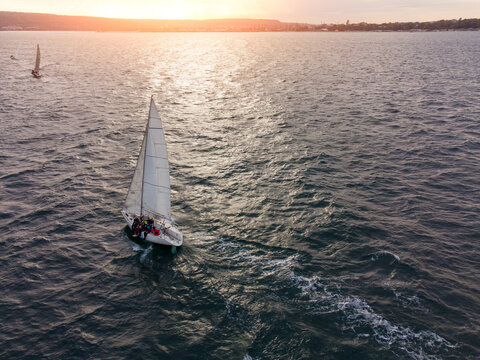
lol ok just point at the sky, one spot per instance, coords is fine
(305, 11)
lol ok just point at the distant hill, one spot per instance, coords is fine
(34, 21)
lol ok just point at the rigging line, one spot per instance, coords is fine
(157, 157)
(161, 186)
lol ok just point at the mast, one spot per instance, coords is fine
(146, 146)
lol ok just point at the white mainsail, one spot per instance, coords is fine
(37, 61)
(149, 192)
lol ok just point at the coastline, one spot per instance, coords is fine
(17, 21)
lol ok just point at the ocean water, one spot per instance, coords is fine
(327, 185)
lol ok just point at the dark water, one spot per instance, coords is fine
(327, 186)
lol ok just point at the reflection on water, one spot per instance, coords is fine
(326, 186)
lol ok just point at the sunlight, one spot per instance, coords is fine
(127, 11)
(303, 11)
(169, 9)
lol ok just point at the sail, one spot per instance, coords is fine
(156, 176)
(18, 49)
(133, 202)
(37, 61)
(149, 192)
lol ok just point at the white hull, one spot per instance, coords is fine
(170, 237)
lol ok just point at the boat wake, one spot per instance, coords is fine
(321, 295)
(362, 321)
(136, 247)
(144, 257)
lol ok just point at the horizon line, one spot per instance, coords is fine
(225, 18)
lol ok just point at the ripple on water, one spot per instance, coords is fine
(326, 184)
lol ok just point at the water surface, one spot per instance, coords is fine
(327, 186)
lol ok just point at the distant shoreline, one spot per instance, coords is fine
(18, 21)
(235, 31)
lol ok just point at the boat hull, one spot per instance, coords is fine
(170, 236)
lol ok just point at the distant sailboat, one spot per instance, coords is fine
(15, 57)
(35, 72)
(148, 198)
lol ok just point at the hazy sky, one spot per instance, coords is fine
(311, 11)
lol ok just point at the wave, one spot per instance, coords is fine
(364, 322)
(385, 254)
(324, 295)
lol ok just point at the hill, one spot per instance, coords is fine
(34, 21)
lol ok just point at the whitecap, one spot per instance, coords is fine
(358, 315)
(324, 295)
(384, 253)
(408, 301)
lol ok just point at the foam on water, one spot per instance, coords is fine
(146, 252)
(359, 316)
(136, 247)
(408, 301)
(325, 295)
(386, 254)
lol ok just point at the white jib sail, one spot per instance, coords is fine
(133, 202)
(149, 192)
(37, 61)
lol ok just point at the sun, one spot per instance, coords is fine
(141, 9)
(166, 9)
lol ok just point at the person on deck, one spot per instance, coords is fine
(136, 222)
(148, 225)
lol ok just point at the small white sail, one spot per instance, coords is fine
(15, 57)
(37, 60)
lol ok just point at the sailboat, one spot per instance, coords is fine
(35, 72)
(15, 57)
(148, 197)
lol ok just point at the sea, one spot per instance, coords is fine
(327, 186)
